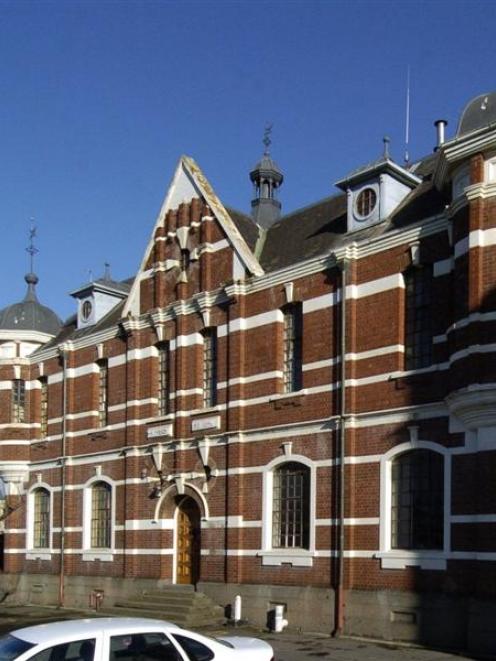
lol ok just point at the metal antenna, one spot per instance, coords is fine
(386, 140)
(31, 249)
(407, 122)
(267, 141)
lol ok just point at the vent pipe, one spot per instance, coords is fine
(440, 125)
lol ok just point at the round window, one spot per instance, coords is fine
(86, 310)
(365, 202)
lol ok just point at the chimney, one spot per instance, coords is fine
(440, 125)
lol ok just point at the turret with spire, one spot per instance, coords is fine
(266, 177)
(29, 315)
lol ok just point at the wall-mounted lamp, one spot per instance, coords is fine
(158, 490)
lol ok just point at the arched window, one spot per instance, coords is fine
(417, 500)
(41, 519)
(291, 506)
(101, 515)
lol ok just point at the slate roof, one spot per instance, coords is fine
(246, 227)
(478, 113)
(29, 314)
(317, 229)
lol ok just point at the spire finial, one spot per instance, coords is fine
(386, 140)
(107, 275)
(266, 140)
(31, 249)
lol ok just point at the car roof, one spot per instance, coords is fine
(78, 629)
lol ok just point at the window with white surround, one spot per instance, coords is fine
(415, 502)
(490, 169)
(163, 378)
(209, 367)
(98, 519)
(288, 518)
(102, 393)
(39, 522)
(418, 317)
(292, 344)
(18, 406)
(43, 406)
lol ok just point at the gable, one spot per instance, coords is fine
(195, 246)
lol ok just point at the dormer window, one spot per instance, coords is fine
(375, 191)
(97, 298)
(365, 202)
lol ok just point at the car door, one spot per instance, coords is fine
(142, 646)
(77, 648)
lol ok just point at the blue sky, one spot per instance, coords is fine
(99, 100)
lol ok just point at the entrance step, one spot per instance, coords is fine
(177, 603)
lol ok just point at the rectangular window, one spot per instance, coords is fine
(43, 406)
(290, 506)
(417, 500)
(163, 379)
(292, 348)
(101, 515)
(209, 367)
(418, 320)
(18, 401)
(41, 532)
(103, 393)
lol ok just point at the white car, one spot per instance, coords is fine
(125, 639)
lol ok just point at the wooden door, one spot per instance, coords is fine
(188, 542)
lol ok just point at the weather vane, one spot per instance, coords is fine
(267, 141)
(31, 249)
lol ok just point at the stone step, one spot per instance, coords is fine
(186, 620)
(153, 606)
(170, 598)
(178, 604)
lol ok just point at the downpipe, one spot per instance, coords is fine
(339, 604)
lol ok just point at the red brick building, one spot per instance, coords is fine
(299, 409)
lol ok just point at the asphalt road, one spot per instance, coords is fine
(288, 646)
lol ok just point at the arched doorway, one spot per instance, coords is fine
(188, 541)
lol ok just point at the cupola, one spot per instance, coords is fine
(97, 298)
(375, 190)
(26, 325)
(266, 177)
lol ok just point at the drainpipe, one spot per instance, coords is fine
(63, 357)
(340, 454)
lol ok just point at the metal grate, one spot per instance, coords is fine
(163, 379)
(209, 367)
(292, 348)
(418, 317)
(290, 506)
(18, 401)
(417, 500)
(43, 407)
(41, 525)
(103, 393)
(100, 515)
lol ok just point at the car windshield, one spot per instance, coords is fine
(12, 647)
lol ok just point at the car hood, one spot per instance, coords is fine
(248, 645)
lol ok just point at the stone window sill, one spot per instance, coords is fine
(294, 557)
(38, 554)
(287, 399)
(397, 559)
(103, 555)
